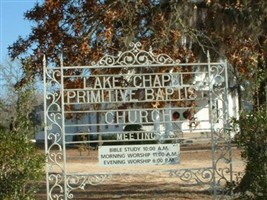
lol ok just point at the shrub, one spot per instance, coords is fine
(253, 141)
(20, 164)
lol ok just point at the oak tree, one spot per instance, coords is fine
(86, 30)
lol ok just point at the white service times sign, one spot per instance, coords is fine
(154, 154)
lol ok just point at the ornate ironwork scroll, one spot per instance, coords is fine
(79, 181)
(136, 57)
(221, 138)
(53, 133)
(199, 176)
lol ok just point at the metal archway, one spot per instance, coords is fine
(173, 106)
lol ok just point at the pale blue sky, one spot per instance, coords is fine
(12, 23)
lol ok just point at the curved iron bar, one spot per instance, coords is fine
(222, 139)
(78, 181)
(56, 184)
(194, 176)
(135, 57)
(54, 149)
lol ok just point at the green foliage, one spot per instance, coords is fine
(20, 164)
(253, 141)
